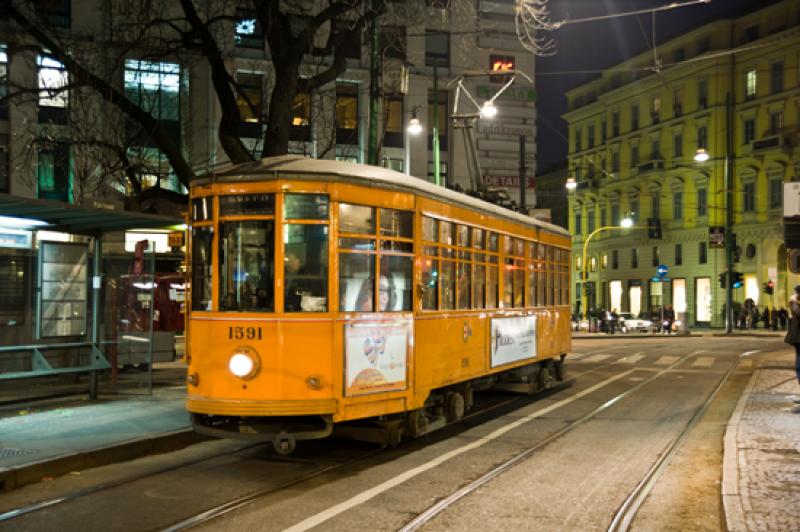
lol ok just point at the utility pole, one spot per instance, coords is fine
(437, 178)
(729, 204)
(374, 86)
(523, 180)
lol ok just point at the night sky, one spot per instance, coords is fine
(590, 47)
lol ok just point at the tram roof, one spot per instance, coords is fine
(364, 174)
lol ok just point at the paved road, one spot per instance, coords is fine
(635, 396)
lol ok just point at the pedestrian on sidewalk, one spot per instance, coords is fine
(783, 316)
(765, 315)
(793, 336)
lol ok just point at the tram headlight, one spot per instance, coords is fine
(244, 363)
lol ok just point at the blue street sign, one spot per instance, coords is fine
(660, 279)
(662, 270)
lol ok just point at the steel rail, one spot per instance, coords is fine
(425, 516)
(623, 518)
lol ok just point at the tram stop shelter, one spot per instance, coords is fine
(58, 302)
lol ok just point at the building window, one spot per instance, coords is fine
(615, 259)
(634, 156)
(155, 87)
(578, 146)
(578, 224)
(775, 122)
(702, 94)
(634, 258)
(655, 150)
(634, 117)
(776, 77)
(590, 132)
(702, 253)
(615, 124)
(346, 113)
(655, 110)
(656, 258)
(437, 48)
(702, 137)
(677, 205)
(751, 81)
(250, 96)
(53, 77)
(615, 161)
(775, 193)
(615, 214)
(393, 42)
(393, 120)
(3, 83)
(678, 254)
(589, 220)
(749, 197)
(441, 124)
(677, 102)
(603, 131)
(749, 130)
(247, 31)
(53, 172)
(604, 261)
(655, 206)
(702, 202)
(677, 145)
(634, 210)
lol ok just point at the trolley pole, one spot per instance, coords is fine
(523, 180)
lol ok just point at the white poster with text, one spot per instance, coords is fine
(513, 339)
(376, 356)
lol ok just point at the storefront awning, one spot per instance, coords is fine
(80, 219)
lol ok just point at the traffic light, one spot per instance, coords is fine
(723, 280)
(654, 228)
(738, 281)
(769, 287)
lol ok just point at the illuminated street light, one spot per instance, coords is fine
(414, 127)
(20, 223)
(571, 184)
(701, 155)
(488, 110)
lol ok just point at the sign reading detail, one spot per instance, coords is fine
(513, 339)
(376, 356)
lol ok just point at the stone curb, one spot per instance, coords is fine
(33, 472)
(731, 498)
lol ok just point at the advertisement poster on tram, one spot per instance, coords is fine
(376, 356)
(513, 339)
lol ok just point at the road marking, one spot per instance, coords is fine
(703, 362)
(364, 496)
(631, 359)
(596, 358)
(667, 360)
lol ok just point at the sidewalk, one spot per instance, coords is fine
(690, 332)
(50, 443)
(761, 465)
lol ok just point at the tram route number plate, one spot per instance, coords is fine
(242, 333)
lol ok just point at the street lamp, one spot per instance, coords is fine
(488, 110)
(414, 127)
(571, 184)
(701, 155)
(625, 223)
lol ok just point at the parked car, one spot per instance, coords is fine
(629, 322)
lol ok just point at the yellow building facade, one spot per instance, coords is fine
(633, 136)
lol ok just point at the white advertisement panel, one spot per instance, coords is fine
(513, 339)
(376, 356)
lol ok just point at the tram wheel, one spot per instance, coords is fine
(455, 406)
(546, 377)
(284, 444)
(417, 422)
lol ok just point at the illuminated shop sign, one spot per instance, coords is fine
(506, 181)
(14, 238)
(500, 63)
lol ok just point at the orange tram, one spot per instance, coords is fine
(330, 296)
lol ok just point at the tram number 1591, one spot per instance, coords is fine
(240, 333)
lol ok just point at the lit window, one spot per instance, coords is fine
(52, 80)
(750, 86)
(155, 87)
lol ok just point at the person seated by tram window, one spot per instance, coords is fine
(305, 290)
(387, 295)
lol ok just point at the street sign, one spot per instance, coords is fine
(716, 237)
(662, 270)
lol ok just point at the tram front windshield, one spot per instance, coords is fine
(246, 257)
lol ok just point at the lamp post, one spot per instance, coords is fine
(625, 223)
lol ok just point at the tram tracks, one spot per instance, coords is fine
(209, 514)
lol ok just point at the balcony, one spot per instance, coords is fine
(771, 142)
(651, 166)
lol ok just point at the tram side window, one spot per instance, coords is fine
(246, 262)
(430, 264)
(395, 282)
(493, 277)
(550, 276)
(531, 273)
(305, 267)
(202, 238)
(478, 270)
